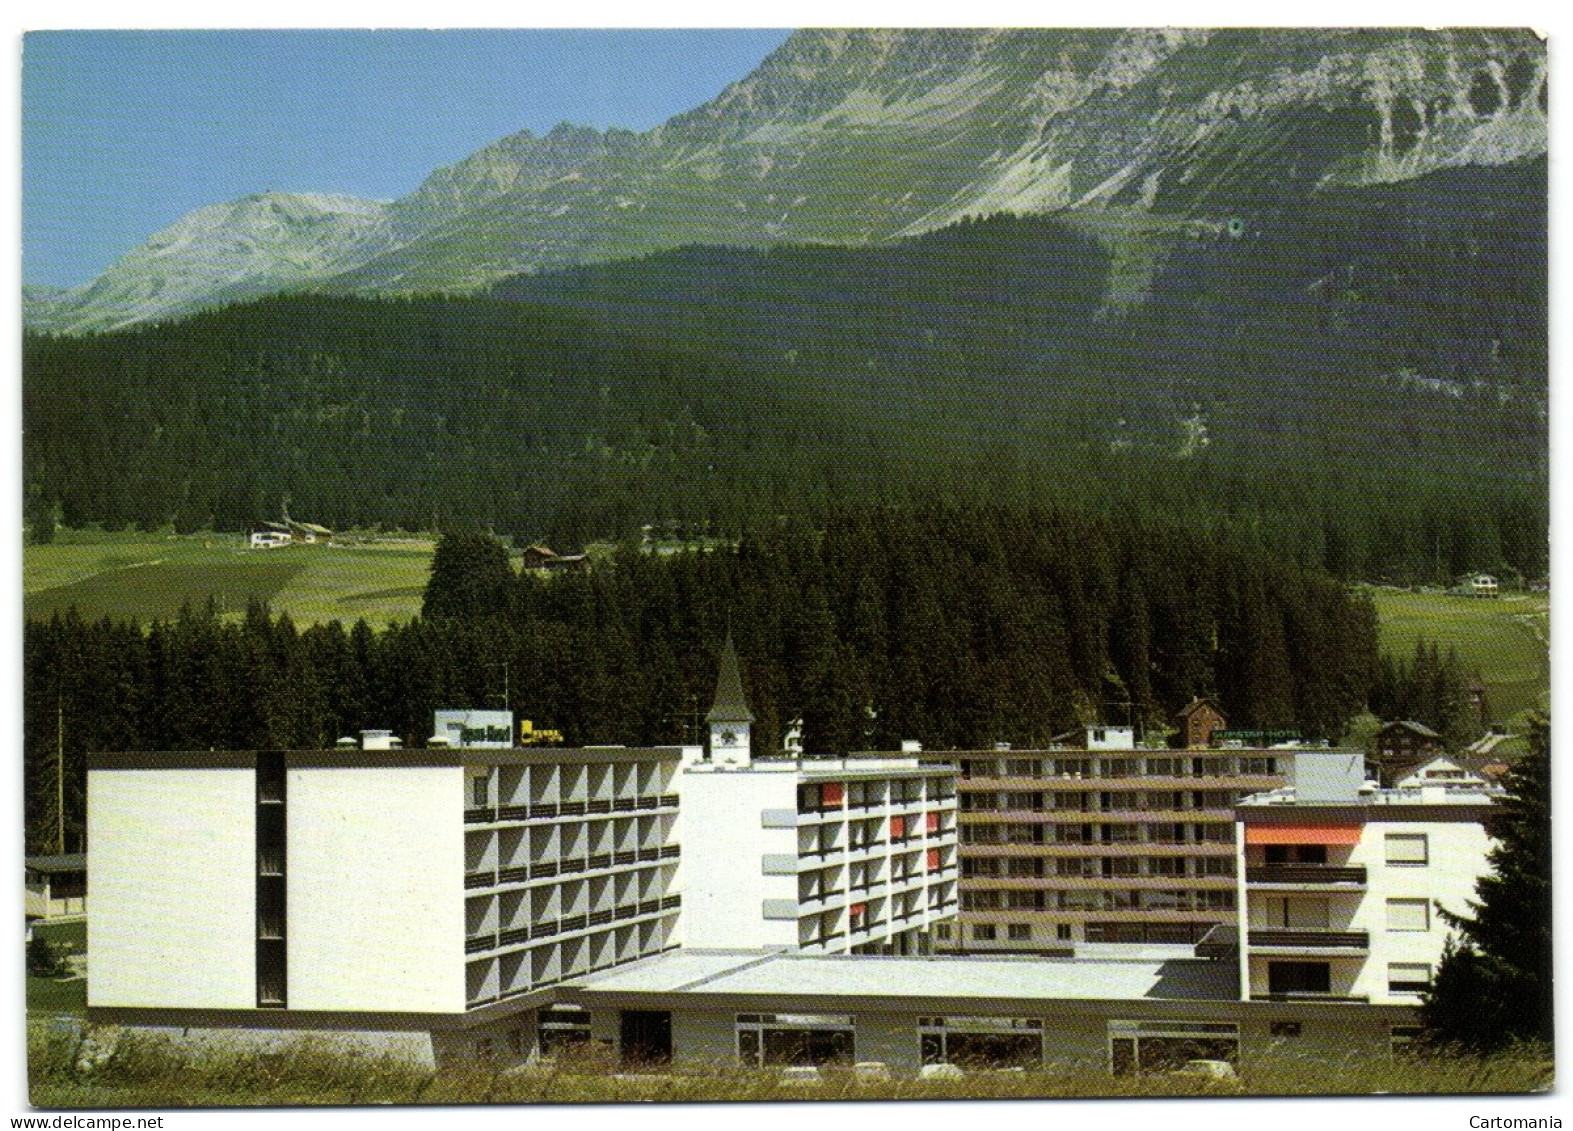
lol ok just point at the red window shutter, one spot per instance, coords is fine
(898, 827)
(933, 822)
(831, 793)
(933, 860)
(859, 909)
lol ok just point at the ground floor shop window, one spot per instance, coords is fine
(772, 1039)
(983, 1042)
(1142, 1047)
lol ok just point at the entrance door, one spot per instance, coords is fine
(646, 1037)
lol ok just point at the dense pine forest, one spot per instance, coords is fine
(954, 626)
(1354, 380)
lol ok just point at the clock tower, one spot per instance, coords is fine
(730, 717)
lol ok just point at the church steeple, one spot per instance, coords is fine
(730, 717)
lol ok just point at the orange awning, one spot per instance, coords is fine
(1302, 834)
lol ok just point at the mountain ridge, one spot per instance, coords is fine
(857, 136)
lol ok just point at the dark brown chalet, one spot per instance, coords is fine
(1197, 721)
(1403, 745)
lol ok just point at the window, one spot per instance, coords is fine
(1408, 915)
(942, 931)
(1138, 1047)
(1019, 932)
(1062, 931)
(984, 1042)
(983, 932)
(772, 1039)
(1299, 978)
(480, 792)
(1286, 1028)
(561, 1026)
(1408, 977)
(1407, 849)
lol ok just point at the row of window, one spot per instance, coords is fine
(1083, 766)
(1092, 867)
(1093, 833)
(1107, 801)
(1310, 912)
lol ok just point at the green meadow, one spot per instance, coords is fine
(1505, 639)
(150, 1072)
(150, 576)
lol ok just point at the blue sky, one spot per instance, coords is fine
(125, 132)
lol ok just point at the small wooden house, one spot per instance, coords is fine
(1197, 721)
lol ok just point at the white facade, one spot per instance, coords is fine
(375, 882)
(826, 856)
(172, 874)
(367, 882)
(1340, 899)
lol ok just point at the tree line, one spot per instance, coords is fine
(959, 627)
(1358, 383)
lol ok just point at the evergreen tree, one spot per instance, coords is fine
(470, 578)
(1493, 986)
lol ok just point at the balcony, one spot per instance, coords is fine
(1313, 939)
(1310, 995)
(1304, 875)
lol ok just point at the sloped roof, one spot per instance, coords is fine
(730, 704)
(1197, 704)
(1409, 724)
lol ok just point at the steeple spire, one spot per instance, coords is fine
(730, 717)
(730, 704)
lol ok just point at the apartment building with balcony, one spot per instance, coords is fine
(826, 855)
(1341, 883)
(411, 893)
(1102, 841)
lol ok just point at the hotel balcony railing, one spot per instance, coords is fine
(1309, 995)
(516, 935)
(513, 875)
(1312, 939)
(475, 816)
(484, 879)
(480, 942)
(1303, 874)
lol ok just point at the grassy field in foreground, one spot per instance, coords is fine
(1504, 639)
(149, 576)
(149, 1072)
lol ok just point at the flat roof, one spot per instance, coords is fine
(961, 978)
(58, 862)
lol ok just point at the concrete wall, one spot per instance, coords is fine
(375, 874)
(174, 889)
(1457, 858)
(724, 845)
